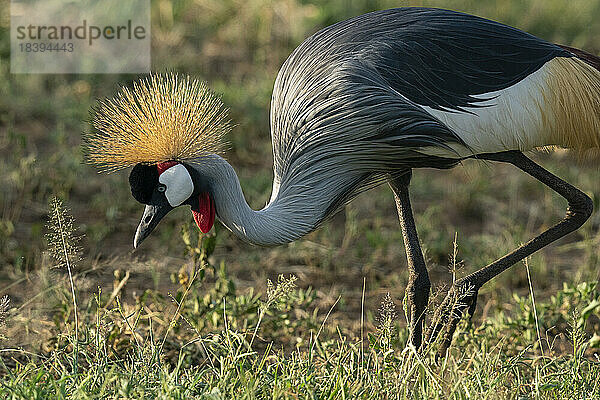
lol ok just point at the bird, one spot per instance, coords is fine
(361, 103)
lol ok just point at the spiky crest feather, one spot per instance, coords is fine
(164, 117)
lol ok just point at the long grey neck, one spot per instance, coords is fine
(281, 221)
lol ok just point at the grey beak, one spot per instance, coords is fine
(150, 219)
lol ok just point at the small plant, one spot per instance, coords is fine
(4, 308)
(276, 294)
(455, 265)
(577, 335)
(64, 249)
(386, 322)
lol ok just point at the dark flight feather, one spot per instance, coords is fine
(440, 58)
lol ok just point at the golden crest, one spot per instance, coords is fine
(164, 117)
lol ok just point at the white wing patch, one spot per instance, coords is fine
(179, 184)
(509, 119)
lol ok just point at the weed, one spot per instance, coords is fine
(387, 322)
(63, 248)
(4, 310)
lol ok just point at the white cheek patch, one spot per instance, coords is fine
(179, 184)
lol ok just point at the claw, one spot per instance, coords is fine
(461, 296)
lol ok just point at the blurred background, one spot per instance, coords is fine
(481, 210)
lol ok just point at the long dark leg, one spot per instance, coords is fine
(417, 291)
(463, 293)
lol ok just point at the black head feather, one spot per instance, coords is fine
(143, 179)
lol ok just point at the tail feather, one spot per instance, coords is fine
(573, 97)
(590, 59)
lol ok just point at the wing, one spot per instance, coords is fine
(442, 59)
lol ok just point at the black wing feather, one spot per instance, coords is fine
(441, 58)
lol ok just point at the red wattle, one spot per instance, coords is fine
(205, 214)
(162, 167)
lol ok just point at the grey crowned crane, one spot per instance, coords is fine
(357, 104)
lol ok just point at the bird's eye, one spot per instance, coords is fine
(161, 188)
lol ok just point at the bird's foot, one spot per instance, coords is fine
(461, 297)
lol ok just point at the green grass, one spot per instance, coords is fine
(217, 343)
(184, 317)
